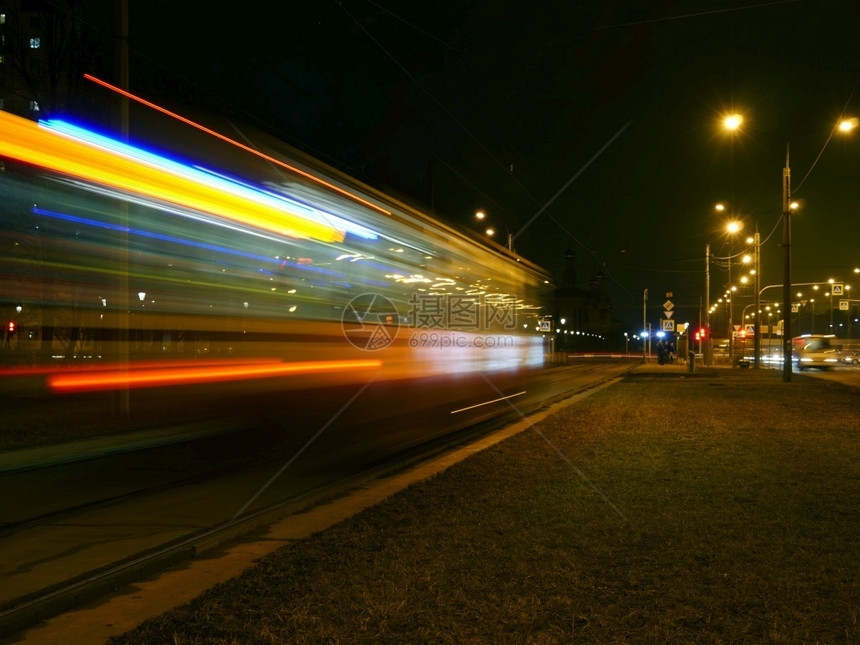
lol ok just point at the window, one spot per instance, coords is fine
(2, 103)
(2, 18)
(35, 43)
(34, 106)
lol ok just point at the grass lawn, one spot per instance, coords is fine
(720, 507)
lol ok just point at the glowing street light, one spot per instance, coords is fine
(490, 231)
(846, 125)
(733, 121)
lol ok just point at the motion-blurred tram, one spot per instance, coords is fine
(125, 267)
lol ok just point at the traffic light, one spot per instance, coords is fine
(10, 327)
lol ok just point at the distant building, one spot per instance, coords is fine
(45, 49)
(586, 312)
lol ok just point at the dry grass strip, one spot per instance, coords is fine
(741, 495)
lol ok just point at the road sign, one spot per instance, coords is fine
(795, 307)
(545, 325)
(668, 314)
(749, 329)
(843, 305)
(668, 325)
(837, 289)
(668, 305)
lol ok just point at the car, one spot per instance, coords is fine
(851, 357)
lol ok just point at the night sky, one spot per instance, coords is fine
(498, 105)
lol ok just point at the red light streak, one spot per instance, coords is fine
(165, 376)
(242, 146)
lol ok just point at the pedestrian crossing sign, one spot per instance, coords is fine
(668, 325)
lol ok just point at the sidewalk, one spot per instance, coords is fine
(658, 509)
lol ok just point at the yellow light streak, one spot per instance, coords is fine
(25, 141)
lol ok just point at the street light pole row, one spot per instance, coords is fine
(732, 123)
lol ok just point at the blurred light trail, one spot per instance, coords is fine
(312, 212)
(25, 141)
(157, 236)
(213, 180)
(218, 135)
(167, 376)
(207, 176)
(35, 370)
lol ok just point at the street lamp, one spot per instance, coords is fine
(733, 121)
(755, 240)
(490, 231)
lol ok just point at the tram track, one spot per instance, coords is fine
(195, 524)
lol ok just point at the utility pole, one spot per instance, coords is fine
(707, 349)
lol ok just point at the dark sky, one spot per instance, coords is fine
(498, 105)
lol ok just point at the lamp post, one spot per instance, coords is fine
(707, 349)
(644, 325)
(756, 241)
(786, 279)
(732, 227)
(732, 123)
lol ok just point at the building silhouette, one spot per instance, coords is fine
(586, 311)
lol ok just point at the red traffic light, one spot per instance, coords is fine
(10, 327)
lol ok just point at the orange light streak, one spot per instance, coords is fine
(24, 140)
(35, 370)
(242, 146)
(161, 377)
